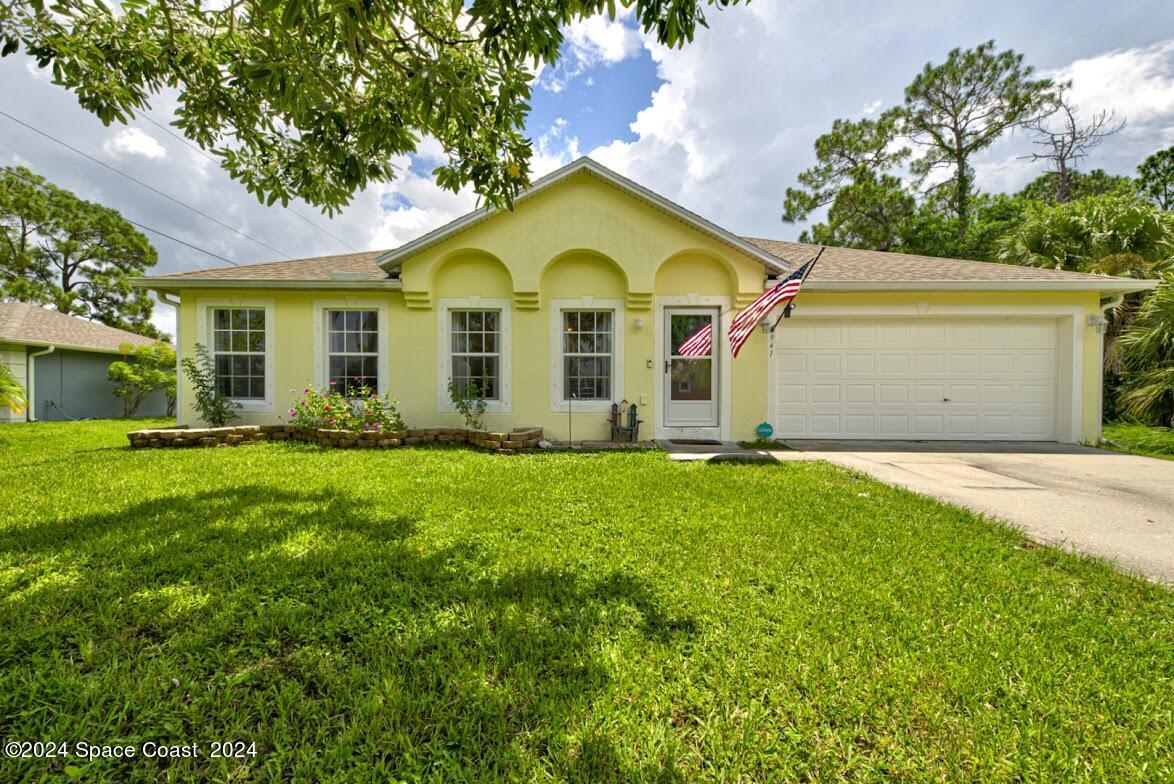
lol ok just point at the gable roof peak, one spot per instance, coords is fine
(392, 259)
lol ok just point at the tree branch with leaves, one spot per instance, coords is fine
(311, 100)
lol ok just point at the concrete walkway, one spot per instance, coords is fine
(1115, 506)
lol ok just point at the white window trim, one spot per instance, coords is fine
(444, 354)
(557, 402)
(204, 326)
(322, 337)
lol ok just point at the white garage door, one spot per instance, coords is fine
(915, 378)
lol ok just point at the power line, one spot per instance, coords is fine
(212, 158)
(141, 183)
(143, 226)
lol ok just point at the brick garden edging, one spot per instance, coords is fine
(517, 440)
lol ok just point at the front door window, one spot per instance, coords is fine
(690, 381)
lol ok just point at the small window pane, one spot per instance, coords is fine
(369, 342)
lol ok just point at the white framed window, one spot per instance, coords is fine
(474, 347)
(351, 345)
(239, 335)
(586, 352)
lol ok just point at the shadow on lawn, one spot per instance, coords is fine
(322, 619)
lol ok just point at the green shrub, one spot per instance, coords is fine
(145, 369)
(329, 408)
(214, 408)
(469, 400)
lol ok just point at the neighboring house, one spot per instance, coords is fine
(61, 360)
(579, 297)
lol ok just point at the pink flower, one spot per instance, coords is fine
(293, 412)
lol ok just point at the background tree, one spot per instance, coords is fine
(963, 106)
(12, 394)
(869, 212)
(1063, 141)
(144, 371)
(1155, 177)
(299, 98)
(72, 254)
(1097, 182)
(1147, 353)
(854, 151)
(1110, 235)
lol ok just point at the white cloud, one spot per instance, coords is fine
(589, 43)
(554, 148)
(1137, 83)
(134, 141)
(872, 107)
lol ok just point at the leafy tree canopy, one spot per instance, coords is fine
(963, 106)
(144, 370)
(1081, 185)
(1111, 235)
(1155, 178)
(77, 256)
(311, 99)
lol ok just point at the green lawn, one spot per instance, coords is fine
(1141, 439)
(445, 615)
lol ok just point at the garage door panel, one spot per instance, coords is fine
(856, 364)
(917, 379)
(964, 363)
(825, 393)
(997, 394)
(822, 363)
(859, 393)
(929, 364)
(893, 393)
(892, 364)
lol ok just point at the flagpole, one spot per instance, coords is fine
(802, 280)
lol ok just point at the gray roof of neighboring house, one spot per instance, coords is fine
(21, 322)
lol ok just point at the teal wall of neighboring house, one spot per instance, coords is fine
(73, 385)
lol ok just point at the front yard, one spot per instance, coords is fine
(445, 615)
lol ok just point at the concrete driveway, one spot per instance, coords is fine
(1118, 507)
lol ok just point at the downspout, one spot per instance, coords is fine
(164, 297)
(31, 386)
(1102, 327)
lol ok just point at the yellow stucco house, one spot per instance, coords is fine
(581, 296)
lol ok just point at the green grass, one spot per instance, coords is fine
(445, 615)
(1141, 439)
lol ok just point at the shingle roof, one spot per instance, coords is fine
(852, 264)
(21, 322)
(837, 265)
(314, 268)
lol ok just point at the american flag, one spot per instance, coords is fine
(784, 291)
(699, 344)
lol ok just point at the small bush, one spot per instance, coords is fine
(469, 400)
(329, 408)
(214, 408)
(145, 370)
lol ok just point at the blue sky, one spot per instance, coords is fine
(722, 126)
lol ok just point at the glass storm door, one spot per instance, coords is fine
(690, 382)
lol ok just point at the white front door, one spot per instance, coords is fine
(690, 383)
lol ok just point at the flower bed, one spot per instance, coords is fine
(516, 440)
